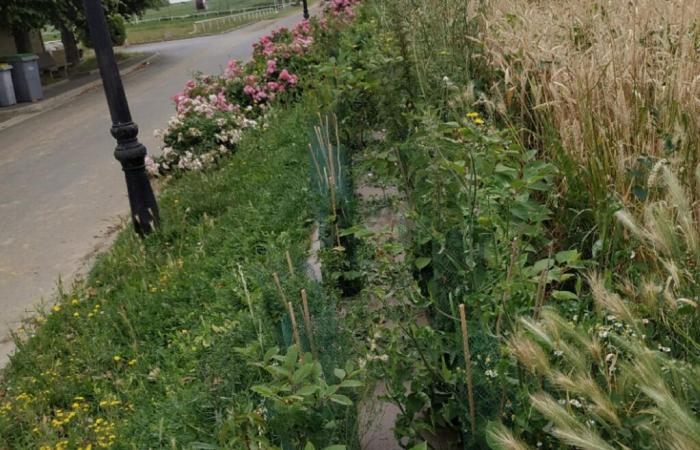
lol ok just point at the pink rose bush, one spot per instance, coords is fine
(213, 112)
(342, 9)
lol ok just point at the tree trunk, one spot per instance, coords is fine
(23, 41)
(70, 45)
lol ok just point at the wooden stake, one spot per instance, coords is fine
(307, 323)
(289, 263)
(279, 289)
(468, 368)
(295, 330)
(250, 306)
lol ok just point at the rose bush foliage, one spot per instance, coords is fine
(212, 112)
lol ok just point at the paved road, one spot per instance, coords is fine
(61, 191)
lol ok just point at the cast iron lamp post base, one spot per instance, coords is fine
(129, 151)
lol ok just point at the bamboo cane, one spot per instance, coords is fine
(279, 289)
(307, 323)
(295, 330)
(289, 263)
(468, 368)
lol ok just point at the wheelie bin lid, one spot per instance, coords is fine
(20, 57)
(4, 67)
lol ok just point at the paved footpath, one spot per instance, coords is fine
(61, 190)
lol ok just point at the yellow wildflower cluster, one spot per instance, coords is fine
(60, 445)
(5, 408)
(104, 432)
(50, 374)
(118, 359)
(25, 398)
(95, 311)
(62, 418)
(109, 402)
(476, 118)
(19, 403)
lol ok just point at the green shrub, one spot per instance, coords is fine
(116, 25)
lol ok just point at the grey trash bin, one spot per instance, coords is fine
(7, 89)
(25, 76)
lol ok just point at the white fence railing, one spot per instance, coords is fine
(207, 25)
(279, 5)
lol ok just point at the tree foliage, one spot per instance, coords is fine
(16, 14)
(23, 14)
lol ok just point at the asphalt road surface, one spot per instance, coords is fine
(61, 190)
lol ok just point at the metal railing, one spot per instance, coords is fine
(217, 22)
(278, 5)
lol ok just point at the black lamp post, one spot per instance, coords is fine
(129, 151)
(306, 9)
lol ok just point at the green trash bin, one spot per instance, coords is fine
(25, 76)
(7, 89)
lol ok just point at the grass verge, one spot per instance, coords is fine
(154, 349)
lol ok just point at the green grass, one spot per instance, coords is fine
(146, 349)
(140, 33)
(89, 62)
(49, 33)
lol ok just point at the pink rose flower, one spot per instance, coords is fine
(271, 66)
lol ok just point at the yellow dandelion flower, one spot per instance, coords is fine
(74, 302)
(479, 121)
(76, 314)
(132, 362)
(473, 115)
(117, 358)
(56, 308)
